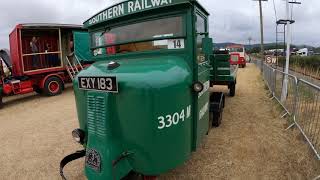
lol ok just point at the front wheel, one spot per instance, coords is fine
(53, 86)
(136, 176)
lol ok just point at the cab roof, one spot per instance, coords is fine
(130, 7)
(235, 46)
(48, 25)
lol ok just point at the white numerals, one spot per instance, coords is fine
(174, 119)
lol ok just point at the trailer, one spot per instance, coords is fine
(223, 72)
(43, 58)
(144, 105)
(237, 55)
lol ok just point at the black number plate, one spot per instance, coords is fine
(106, 84)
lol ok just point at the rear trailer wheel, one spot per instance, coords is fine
(217, 118)
(53, 86)
(232, 90)
(216, 108)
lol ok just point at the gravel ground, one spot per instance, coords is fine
(251, 143)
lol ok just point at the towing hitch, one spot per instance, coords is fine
(69, 158)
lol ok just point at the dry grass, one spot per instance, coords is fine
(251, 142)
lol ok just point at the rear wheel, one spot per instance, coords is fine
(217, 118)
(232, 90)
(53, 86)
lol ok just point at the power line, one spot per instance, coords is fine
(275, 10)
(291, 12)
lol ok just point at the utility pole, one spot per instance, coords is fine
(288, 52)
(250, 39)
(261, 30)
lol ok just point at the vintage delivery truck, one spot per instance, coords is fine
(144, 106)
(42, 58)
(237, 55)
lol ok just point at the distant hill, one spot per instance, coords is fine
(266, 45)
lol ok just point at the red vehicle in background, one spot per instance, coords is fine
(237, 55)
(42, 58)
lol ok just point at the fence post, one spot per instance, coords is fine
(274, 81)
(295, 105)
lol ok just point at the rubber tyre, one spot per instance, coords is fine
(223, 101)
(232, 90)
(217, 119)
(53, 86)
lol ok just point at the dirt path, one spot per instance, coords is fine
(35, 134)
(250, 144)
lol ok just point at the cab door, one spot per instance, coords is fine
(201, 75)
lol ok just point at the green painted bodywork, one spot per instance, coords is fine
(222, 72)
(151, 84)
(82, 45)
(127, 121)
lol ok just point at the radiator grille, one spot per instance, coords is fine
(234, 58)
(96, 115)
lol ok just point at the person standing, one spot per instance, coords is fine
(34, 49)
(71, 50)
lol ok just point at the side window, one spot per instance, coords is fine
(200, 28)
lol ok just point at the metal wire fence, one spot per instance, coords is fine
(301, 102)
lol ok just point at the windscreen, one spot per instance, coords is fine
(139, 37)
(236, 49)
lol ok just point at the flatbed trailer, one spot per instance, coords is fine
(223, 72)
(56, 61)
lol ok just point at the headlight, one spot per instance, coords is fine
(78, 136)
(197, 86)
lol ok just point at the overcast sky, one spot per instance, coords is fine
(230, 20)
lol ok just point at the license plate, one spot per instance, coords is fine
(106, 83)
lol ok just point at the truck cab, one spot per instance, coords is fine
(237, 55)
(143, 106)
